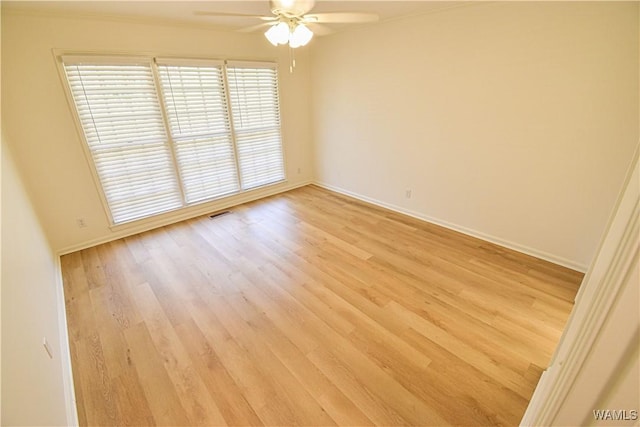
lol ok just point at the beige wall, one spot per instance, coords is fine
(33, 385)
(513, 121)
(40, 125)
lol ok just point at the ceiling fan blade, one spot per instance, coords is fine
(319, 30)
(234, 15)
(341, 17)
(254, 27)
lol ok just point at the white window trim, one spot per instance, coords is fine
(105, 59)
(250, 64)
(163, 60)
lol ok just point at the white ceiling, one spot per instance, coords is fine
(182, 12)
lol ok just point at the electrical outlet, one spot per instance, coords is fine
(407, 194)
(81, 223)
(299, 170)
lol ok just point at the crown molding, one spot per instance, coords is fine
(44, 12)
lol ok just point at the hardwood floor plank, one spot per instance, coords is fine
(229, 397)
(467, 353)
(159, 391)
(304, 408)
(94, 271)
(488, 402)
(245, 368)
(338, 406)
(404, 403)
(292, 281)
(309, 308)
(73, 275)
(355, 388)
(133, 407)
(98, 401)
(419, 381)
(198, 404)
(114, 345)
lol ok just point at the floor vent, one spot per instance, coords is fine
(217, 214)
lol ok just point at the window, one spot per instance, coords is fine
(120, 115)
(199, 122)
(256, 121)
(172, 133)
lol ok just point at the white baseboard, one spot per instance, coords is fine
(65, 354)
(464, 230)
(120, 231)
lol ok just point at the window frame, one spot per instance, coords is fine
(187, 209)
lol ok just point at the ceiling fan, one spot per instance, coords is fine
(292, 24)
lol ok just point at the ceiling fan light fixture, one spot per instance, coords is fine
(300, 36)
(278, 34)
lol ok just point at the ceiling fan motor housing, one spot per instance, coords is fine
(291, 8)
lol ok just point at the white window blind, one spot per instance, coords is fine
(253, 91)
(122, 122)
(223, 125)
(196, 106)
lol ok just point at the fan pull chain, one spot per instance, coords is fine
(292, 60)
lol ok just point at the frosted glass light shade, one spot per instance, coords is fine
(278, 34)
(300, 36)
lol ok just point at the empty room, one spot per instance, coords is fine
(298, 212)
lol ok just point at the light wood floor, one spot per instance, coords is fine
(309, 308)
